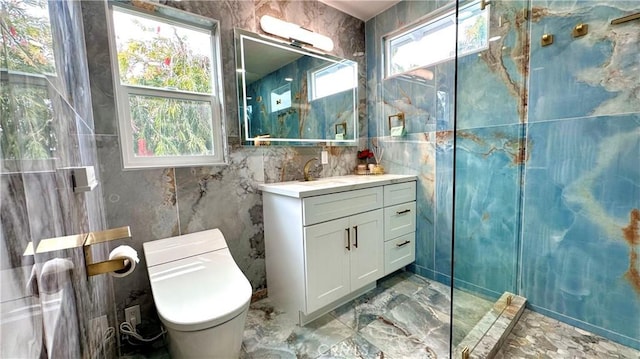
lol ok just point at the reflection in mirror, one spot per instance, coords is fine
(291, 96)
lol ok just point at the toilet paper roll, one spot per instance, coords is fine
(131, 259)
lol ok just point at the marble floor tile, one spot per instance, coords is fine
(363, 310)
(407, 316)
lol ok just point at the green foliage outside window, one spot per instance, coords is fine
(26, 49)
(165, 57)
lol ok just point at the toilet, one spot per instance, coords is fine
(201, 296)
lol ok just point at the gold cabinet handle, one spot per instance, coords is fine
(348, 247)
(403, 244)
(355, 244)
(403, 212)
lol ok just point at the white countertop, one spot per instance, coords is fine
(320, 186)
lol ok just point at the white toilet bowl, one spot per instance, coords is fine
(201, 295)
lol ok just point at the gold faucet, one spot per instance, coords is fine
(307, 176)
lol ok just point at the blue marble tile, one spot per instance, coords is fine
(582, 186)
(483, 98)
(491, 84)
(487, 197)
(594, 74)
(444, 201)
(445, 95)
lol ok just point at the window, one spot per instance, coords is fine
(167, 87)
(27, 64)
(434, 41)
(332, 79)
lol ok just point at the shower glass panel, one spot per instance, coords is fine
(48, 306)
(487, 163)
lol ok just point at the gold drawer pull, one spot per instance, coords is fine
(403, 244)
(403, 212)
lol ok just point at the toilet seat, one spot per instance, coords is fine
(222, 291)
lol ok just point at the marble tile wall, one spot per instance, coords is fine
(158, 203)
(38, 202)
(547, 153)
(581, 207)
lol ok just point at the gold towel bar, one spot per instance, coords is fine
(622, 20)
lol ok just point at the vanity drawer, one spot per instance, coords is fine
(399, 193)
(399, 252)
(336, 205)
(399, 220)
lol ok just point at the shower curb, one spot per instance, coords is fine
(485, 343)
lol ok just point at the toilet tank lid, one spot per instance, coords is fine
(187, 245)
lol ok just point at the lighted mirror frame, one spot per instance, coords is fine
(331, 122)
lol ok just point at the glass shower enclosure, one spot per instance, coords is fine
(545, 168)
(48, 306)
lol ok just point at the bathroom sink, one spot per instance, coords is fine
(320, 186)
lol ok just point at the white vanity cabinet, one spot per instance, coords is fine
(342, 256)
(399, 226)
(326, 243)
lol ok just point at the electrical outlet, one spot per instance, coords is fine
(132, 315)
(324, 157)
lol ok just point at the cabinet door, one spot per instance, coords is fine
(326, 262)
(367, 248)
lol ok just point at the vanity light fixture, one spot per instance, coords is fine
(298, 35)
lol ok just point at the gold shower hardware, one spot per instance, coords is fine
(509, 299)
(580, 30)
(624, 19)
(465, 353)
(344, 127)
(547, 39)
(107, 266)
(399, 116)
(484, 3)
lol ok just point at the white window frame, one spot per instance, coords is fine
(123, 91)
(427, 22)
(313, 74)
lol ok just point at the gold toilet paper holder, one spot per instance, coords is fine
(86, 240)
(111, 265)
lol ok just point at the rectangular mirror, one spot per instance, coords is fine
(292, 96)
